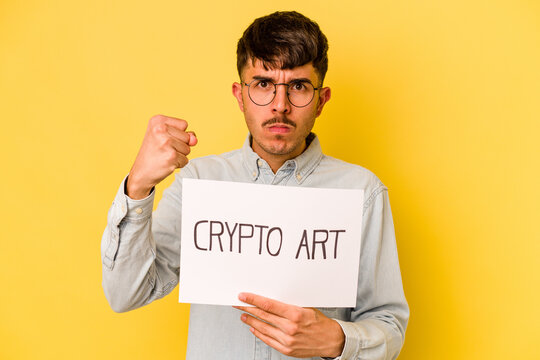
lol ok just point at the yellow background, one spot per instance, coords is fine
(439, 98)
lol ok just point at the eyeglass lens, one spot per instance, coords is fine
(263, 92)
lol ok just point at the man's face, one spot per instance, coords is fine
(279, 129)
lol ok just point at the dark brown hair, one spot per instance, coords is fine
(284, 40)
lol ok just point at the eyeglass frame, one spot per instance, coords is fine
(285, 84)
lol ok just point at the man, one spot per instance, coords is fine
(282, 61)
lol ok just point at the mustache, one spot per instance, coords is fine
(282, 120)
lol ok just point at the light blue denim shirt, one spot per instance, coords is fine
(140, 251)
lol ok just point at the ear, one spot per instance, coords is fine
(324, 97)
(237, 92)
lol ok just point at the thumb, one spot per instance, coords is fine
(192, 138)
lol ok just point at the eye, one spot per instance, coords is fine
(298, 86)
(263, 84)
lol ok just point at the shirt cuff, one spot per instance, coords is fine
(352, 341)
(133, 209)
(138, 208)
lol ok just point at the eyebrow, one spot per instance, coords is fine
(259, 77)
(268, 78)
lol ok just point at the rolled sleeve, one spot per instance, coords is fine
(141, 249)
(127, 251)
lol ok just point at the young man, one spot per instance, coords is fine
(282, 61)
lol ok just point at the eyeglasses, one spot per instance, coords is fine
(299, 92)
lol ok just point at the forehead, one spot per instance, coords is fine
(256, 68)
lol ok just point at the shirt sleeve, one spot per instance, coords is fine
(378, 322)
(140, 250)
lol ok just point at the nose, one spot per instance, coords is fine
(281, 102)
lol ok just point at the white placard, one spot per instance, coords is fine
(297, 245)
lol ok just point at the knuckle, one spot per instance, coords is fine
(296, 317)
(288, 350)
(182, 162)
(162, 144)
(266, 306)
(157, 118)
(292, 329)
(187, 150)
(287, 341)
(159, 128)
(171, 156)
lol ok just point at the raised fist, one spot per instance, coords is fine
(165, 148)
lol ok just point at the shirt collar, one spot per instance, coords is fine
(304, 164)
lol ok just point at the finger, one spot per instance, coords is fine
(179, 146)
(181, 161)
(270, 318)
(271, 342)
(265, 329)
(269, 305)
(176, 123)
(180, 135)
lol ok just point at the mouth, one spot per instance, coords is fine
(279, 128)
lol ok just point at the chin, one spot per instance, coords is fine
(279, 149)
(277, 144)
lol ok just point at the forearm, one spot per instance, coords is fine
(376, 328)
(130, 261)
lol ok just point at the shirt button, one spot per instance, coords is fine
(298, 176)
(123, 207)
(259, 162)
(254, 174)
(138, 210)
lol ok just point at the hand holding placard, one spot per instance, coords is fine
(292, 330)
